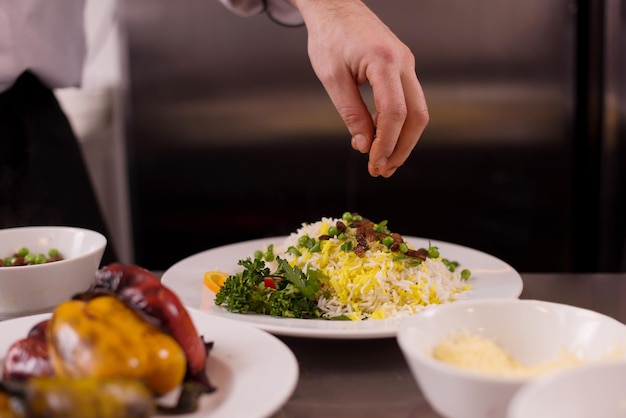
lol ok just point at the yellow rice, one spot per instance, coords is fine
(374, 286)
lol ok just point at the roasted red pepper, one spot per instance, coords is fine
(44, 352)
(29, 356)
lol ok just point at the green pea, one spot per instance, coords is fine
(433, 252)
(465, 274)
(347, 246)
(347, 216)
(22, 252)
(53, 252)
(269, 257)
(342, 236)
(403, 248)
(381, 227)
(357, 218)
(293, 250)
(9, 261)
(333, 231)
(40, 259)
(387, 241)
(258, 254)
(451, 265)
(306, 241)
(269, 253)
(30, 258)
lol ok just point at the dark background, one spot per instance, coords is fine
(232, 137)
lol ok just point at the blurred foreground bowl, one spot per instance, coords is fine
(593, 390)
(38, 288)
(532, 332)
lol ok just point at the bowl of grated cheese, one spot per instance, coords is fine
(469, 358)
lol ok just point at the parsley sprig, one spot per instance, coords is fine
(295, 295)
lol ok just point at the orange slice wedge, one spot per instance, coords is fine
(215, 279)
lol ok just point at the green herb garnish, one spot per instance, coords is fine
(294, 296)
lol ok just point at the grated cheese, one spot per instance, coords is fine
(486, 356)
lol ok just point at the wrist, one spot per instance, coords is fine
(283, 12)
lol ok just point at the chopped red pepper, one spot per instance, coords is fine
(269, 282)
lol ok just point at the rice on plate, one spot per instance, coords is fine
(367, 271)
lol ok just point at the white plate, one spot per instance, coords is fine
(255, 373)
(491, 277)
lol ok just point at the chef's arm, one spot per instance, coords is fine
(349, 46)
(281, 11)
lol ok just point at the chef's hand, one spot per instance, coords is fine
(348, 45)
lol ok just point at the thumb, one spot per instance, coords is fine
(355, 114)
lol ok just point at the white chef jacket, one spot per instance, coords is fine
(48, 36)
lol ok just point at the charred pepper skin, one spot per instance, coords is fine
(38, 331)
(46, 397)
(29, 356)
(143, 290)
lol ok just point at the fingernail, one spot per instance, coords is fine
(374, 172)
(360, 142)
(380, 163)
(389, 172)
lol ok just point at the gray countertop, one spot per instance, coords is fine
(370, 378)
(365, 378)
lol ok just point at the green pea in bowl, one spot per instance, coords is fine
(42, 266)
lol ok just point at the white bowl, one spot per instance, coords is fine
(533, 332)
(594, 390)
(38, 288)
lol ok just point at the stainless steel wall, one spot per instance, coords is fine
(232, 137)
(612, 251)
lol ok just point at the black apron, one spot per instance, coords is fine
(43, 178)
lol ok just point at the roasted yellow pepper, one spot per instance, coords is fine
(53, 397)
(104, 338)
(5, 406)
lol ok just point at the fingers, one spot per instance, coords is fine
(345, 95)
(401, 120)
(348, 47)
(391, 113)
(414, 124)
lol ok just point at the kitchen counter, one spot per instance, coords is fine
(370, 378)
